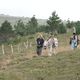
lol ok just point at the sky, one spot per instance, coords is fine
(66, 9)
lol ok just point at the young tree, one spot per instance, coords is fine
(69, 24)
(62, 29)
(53, 22)
(77, 26)
(6, 31)
(32, 25)
(20, 28)
(6, 27)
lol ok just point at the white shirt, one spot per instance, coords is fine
(45, 43)
(56, 42)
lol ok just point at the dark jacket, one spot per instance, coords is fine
(40, 42)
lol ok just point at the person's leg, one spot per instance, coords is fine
(41, 51)
(38, 51)
(72, 45)
(50, 50)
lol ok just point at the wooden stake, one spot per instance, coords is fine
(18, 48)
(3, 49)
(11, 48)
(25, 45)
(30, 44)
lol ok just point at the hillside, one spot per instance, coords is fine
(13, 19)
(63, 66)
(26, 65)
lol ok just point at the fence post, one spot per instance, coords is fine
(18, 48)
(3, 49)
(30, 44)
(25, 45)
(11, 48)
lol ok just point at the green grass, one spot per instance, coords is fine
(63, 66)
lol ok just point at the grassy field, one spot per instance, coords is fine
(63, 66)
(26, 65)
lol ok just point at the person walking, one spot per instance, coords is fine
(40, 42)
(74, 41)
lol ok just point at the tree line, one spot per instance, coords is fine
(54, 25)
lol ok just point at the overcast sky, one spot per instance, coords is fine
(41, 8)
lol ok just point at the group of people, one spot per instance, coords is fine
(74, 41)
(50, 45)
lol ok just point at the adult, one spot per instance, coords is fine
(40, 42)
(74, 41)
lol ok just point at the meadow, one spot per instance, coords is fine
(26, 65)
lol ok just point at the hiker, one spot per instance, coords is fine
(40, 42)
(74, 41)
(50, 45)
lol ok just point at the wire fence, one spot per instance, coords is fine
(23, 47)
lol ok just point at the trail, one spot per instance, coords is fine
(5, 63)
(61, 49)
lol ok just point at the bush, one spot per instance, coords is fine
(78, 29)
(62, 29)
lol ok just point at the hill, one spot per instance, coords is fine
(14, 19)
(63, 66)
(26, 65)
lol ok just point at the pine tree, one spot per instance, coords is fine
(53, 22)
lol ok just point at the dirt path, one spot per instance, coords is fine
(5, 62)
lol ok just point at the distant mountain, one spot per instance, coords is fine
(13, 19)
